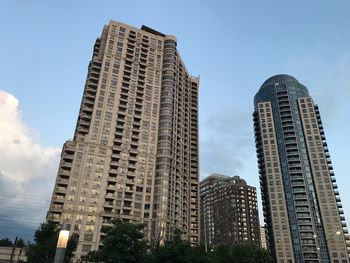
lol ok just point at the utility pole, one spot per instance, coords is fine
(13, 250)
(19, 254)
(205, 234)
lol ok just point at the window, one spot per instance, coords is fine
(86, 248)
(88, 237)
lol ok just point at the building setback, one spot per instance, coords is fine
(229, 212)
(134, 154)
(301, 202)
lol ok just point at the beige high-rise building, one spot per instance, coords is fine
(302, 207)
(134, 154)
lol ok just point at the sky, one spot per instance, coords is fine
(234, 46)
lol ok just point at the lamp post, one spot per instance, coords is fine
(205, 235)
(62, 243)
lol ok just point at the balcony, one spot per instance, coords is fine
(112, 179)
(60, 189)
(128, 189)
(298, 189)
(128, 196)
(114, 165)
(56, 207)
(113, 171)
(85, 116)
(111, 187)
(68, 156)
(87, 109)
(130, 181)
(54, 218)
(109, 196)
(59, 198)
(61, 181)
(88, 103)
(64, 173)
(108, 204)
(66, 164)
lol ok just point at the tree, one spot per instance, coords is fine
(6, 242)
(177, 250)
(71, 247)
(20, 243)
(240, 254)
(124, 242)
(44, 246)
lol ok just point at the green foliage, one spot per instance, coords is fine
(123, 243)
(177, 251)
(92, 256)
(239, 254)
(6, 242)
(71, 247)
(44, 246)
(43, 250)
(20, 243)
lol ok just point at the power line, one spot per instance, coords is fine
(20, 221)
(25, 206)
(27, 193)
(42, 198)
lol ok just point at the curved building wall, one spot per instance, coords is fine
(290, 187)
(133, 155)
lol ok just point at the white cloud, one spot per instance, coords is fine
(27, 168)
(227, 143)
(327, 80)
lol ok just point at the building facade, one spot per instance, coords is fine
(263, 237)
(229, 211)
(134, 154)
(301, 203)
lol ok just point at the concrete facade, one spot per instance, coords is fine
(263, 237)
(302, 208)
(229, 211)
(134, 154)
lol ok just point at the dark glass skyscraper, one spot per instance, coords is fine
(301, 202)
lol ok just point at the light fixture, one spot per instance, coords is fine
(62, 243)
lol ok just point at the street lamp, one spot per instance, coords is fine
(62, 243)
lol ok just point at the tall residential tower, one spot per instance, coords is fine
(302, 207)
(134, 155)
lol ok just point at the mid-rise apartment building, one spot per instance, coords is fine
(134, 154)
(229, 211)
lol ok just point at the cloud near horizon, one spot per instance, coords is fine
(27, 171)
(227, 143)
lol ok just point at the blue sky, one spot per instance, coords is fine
(234, 46)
